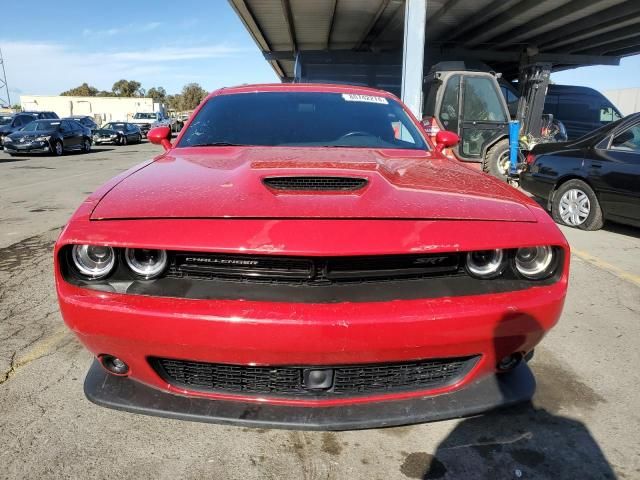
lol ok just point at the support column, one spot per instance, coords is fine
(415, 15)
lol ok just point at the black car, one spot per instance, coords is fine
(85, 121)
(49, 136)
(118, 133)
(13, 123)
(592, 179)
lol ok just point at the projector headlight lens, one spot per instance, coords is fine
(93, 261)
(146, 262)
(535, 263)
(485, 263)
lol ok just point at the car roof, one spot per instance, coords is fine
(575, 89)
(302, 87)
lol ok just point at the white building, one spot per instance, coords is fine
(626, 99)
(103, 109)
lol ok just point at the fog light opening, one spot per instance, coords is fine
(114, 365)
(509, 362)
(318, 379)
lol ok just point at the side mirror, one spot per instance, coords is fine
(446, 139)
(160, 136)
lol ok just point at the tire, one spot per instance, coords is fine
(86, 145)
(496, 163)
(139, 138)
(58, 148)
(124, 140)
(575, 205)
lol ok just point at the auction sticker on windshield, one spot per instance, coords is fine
(353, 97)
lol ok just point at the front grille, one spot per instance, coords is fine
(311, 270)
(348, 380)
(315, 183)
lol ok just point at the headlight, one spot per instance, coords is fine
(7, 139)
(146, 262)
(535, 263)
(93, 261)
(113, 135)
(485, 263)
(43, 139)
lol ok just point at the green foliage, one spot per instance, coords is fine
(127, 88)
(84, 90)
(157, 93)
(190, 97)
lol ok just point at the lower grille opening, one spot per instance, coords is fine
(288, 381)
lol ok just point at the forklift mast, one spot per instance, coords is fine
(533, 83)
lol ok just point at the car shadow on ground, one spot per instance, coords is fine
(8, 159)
(95, 149)
(530, 440)
(622, 229)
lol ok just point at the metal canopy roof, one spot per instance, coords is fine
(566, 33)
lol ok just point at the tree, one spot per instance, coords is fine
(191, 96)
(158, 94)
(127, 88)
(173, 101)
(84, 90)
(16, 108)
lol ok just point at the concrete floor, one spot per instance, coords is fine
(583, 423)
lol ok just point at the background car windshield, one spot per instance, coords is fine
(5, 120)
(149, 116)
(311, 119)
(41, 125)
(115, 126)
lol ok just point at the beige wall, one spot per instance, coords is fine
(626, 99)
(104, 109)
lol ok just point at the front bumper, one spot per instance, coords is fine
(289, 332)
(491, 392)
(35, 147)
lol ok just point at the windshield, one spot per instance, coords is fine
(145, 116)
(115, 126)
(310, 119)
(41, 125)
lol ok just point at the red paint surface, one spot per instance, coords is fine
(213, 200)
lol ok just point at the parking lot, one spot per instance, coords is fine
(583, 422)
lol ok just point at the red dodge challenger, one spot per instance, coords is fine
(302, 256)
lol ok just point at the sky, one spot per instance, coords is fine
(55, 46)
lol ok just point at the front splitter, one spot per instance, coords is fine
(122, 393)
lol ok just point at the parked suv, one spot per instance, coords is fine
(18, 120)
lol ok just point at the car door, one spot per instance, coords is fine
(69, 135)
(484, 116)
(615, 168)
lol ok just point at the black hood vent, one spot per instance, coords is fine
(315, 184)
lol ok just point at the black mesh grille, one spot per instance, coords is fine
(350, 380)
(315, 183)
(311, 270)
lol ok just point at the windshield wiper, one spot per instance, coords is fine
(217, 144)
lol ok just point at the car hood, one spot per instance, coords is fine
(30, 134)
(227, 182)
(106, 131)
(5, 128)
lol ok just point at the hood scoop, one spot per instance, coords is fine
(315, 183)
